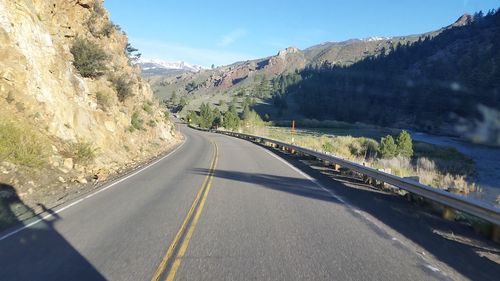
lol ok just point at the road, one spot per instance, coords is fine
(220, 208)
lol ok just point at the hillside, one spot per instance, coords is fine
(356, 80)
(74, 109)
(447, 84)
(254, 77)
(247, 74)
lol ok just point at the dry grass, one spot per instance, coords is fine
(22, 145)
(82, 152)
(443, 168)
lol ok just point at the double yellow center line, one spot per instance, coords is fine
(181, 241)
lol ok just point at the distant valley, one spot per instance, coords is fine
(440, 82)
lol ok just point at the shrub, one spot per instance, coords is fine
(10, 97)
(136, 121)
(89, 58)
(152, 123)
(82, 152)
(123, 88)
(104, 100)
(370, 147)
(192, 117)
(108, 29)
(98, 8)
(22, 145)
(424, 164)
(191, 86)
(148, 107)
(388, 147)
(328, 147)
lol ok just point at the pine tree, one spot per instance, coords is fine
(388, 148)
(231, 121)
(404, 144)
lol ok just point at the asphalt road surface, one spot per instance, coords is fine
(221, 208)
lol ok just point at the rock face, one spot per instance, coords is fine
(40, 87)
(288, 59)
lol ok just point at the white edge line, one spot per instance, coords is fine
(88, 195)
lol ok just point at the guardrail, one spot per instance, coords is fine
(471, 206)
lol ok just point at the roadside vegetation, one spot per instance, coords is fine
(395, 153)
(82, 152)
(89, 58)
(440, 167)
(22, 145)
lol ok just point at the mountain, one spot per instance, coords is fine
(445, 84)
(244, 74)
(151, 67)
(453, 64)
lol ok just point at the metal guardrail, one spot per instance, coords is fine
(471, 206)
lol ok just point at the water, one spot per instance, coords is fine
(487, 160)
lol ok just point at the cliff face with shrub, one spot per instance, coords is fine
(73, 105)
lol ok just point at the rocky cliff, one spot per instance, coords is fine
(79, 125)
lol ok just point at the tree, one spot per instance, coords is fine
(206, 116)
(232, 108)
(183, 102)
(217, 118)
(192, 117)
(191, 86)
(231, 121)
(132, 53)
(404, 144)
(388, 147)
(173, 97)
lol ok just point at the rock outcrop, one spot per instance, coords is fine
(41, 89)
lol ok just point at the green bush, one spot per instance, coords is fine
(404, 144)
(108, 29)
(206, 116)
(388, 147)
(231, 121)
(89, 58)
(22, 145)
(147, 106)
(136, 121)
(123, 88)
(192, 117)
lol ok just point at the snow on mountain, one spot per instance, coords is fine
(375, 38)
(158, 65)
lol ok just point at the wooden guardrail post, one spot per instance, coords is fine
(336, 167)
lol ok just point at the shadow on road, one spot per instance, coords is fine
(452, 243)
(297, 186)
(38, 252)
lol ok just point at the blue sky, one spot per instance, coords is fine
(222, 32)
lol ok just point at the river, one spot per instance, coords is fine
(487, 160)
